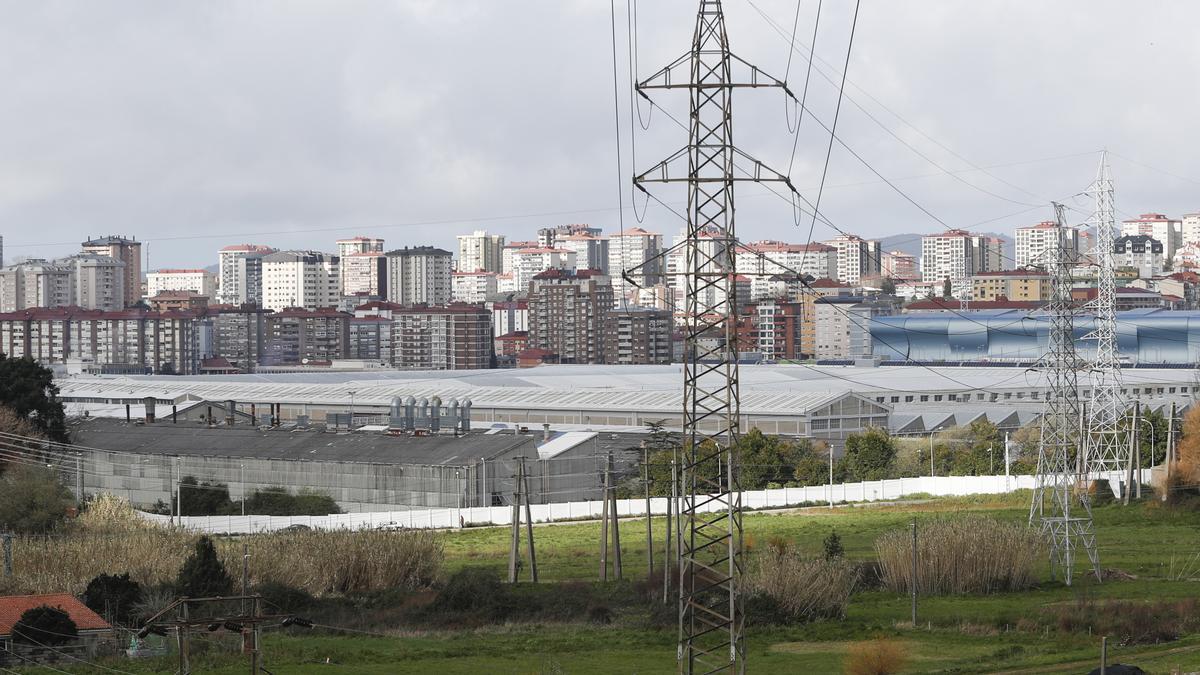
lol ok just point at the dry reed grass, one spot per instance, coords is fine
(875, 657)
(962, 555)
(804, 588)
(110, 538)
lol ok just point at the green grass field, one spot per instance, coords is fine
(960, 634)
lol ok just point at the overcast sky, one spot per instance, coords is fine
(194, 125)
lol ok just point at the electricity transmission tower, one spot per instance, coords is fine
(1107, 441)
(711, 616)
(1059, 507)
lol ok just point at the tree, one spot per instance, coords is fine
(766, 459)
(947, 289)
(32, 500)
(114, 597)
(868, 455)
(204, 498)
(27, 388)
(203, 575)
(277, 501)
(887, 286)
(44, 625)
(833, 546)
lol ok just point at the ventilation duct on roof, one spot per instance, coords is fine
(464, 416)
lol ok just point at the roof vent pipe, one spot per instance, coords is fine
(435, 414)
(230, 409)
(464, 417)
(545, 432)
(409, 422)
(149, 401)
(421, 421)
(452, 415)
(396, 415)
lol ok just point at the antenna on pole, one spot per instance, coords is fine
(711, 614)
(1107, 448)
(1060, 505)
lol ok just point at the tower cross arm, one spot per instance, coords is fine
(742, 74)
(680, 168)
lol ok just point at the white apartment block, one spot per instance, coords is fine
(509, 250)
(843, 325)
(591, 251)
(627, 251)
(240, 268)
(1034, 241)
(856, 258)
(199, 282)
(1191, 228)
(98, 281)
(1166, 231)
(710, 249)
(36, 283)
(419, 276)
(899, 265)
(529, 262)
(307, 279)
(472, 287)
(957, 255)
(364, 273)
(359, 244)
(480, 251)
(766, 258)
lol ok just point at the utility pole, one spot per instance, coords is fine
(604, 528)
(179, 489)
(6, 540)
(616, 527)
(245, 573)
(913, 585)
(649, 520)
(514, 549)
(711, 604)
(1056, 490)
(1133, 436)
(533, 574)
(670, 562)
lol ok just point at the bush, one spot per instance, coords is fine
(877, 657)
(962, 555)
(44, 625)
(1126, 622)
(32, 500)
(833, 546)
(203, 575)
(203, 498)
(868, 456)
(277, 501)
(114, 597)
(803, 589)
(478, 592)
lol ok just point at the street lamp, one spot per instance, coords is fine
(243, 468)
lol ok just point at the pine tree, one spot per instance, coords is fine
(203, 575)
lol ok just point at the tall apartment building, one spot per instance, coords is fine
(1166, 231)
(301, 335)
(1190, 228)
(364, 273)
(306, 279)
(1034, 241)
(761, 259)
(1031, 285)
(629, 250)
(480, 251)
(472, 287)
(711, 246)
(200, 282)
(240, 268)
(591, 251)
(774, 329)
(98, 282)
(117, 342)
(454, 337)
(359, 244)
(856, 257)
(1141, 252)
(821, 288)
(371, 339)
(36, 283)
(899, 265)
(549, 237)
(843, 325)
(957, 255)
(638, 336)
(419, 275)
(529, 262)
(129, 252)
(239, 334)
(567, 314)
(510, 314)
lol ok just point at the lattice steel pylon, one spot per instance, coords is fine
(1060, 505)
(711, 616)
(1107, 435)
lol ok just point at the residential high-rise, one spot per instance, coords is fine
(774, 329)
(419, 276)
(1140, 252)
(529, 262)
(201, 282)
(956, 255)
(239, 334)
(98, 281)
(306, 279)
(1034, 241)
(1026, 285)
(591, 251)
(843, 325)
(480, 251)
(630, 249)
(1190, 228)
(36, 283)
(129, 252)
(856, 257)
(1166, 231)
(760, 259)
(472, 287)
(453, 337)
(371, 339)
(567, 314)
(297, 335)
(359, 244)
(241, 273)
(364, 273)
(899, 265)
(510, 314)
(509, 250)
(549, 237)
(638, 335)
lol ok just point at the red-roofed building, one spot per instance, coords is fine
(92, 628)
(1167, 231)
(943, 305)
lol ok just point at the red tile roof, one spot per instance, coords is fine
(13, 606)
